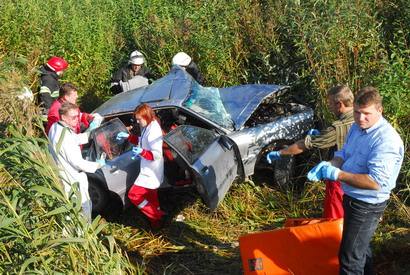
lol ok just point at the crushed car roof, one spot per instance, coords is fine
(174, 88)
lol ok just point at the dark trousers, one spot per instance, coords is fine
(360, 223)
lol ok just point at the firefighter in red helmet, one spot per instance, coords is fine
(49, 81)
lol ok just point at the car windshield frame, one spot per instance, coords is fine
(207, 102)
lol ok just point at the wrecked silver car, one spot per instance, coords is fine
(221, 134)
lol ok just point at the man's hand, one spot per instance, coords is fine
(274, 155)
(324, 170)
(122, 135)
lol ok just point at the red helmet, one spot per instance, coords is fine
(57, 64)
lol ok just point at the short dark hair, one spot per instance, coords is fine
(342, 93)
(65, 107)
(367, 96)
(66, 89)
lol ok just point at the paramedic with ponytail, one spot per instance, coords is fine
(144, 193)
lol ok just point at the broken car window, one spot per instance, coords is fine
(207, 102)
(190, 141)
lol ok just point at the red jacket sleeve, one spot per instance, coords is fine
(53, 116)
(133, 139)
(85, 119)
(147, 154)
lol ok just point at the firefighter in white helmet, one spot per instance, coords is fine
(185, 61)
(132, 75)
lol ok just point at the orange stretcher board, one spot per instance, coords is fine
(303, 246)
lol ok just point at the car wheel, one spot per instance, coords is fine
(99, 196)
(279, 173)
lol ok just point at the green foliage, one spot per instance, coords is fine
(41, 229)
(309, 45)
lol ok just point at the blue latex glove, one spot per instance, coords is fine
(330, 172)
(101, 162)
(274, 155)
(323, 170)
(315, 173)
(92, 125)
(136, 151)
(313, 132)
(122, 135)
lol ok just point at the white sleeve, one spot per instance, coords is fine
(71, 152)
(82, 138)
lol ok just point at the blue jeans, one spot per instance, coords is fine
(360, 223)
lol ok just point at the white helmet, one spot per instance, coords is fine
(136, 58)
(181, 59)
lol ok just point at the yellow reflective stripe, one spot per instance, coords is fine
(45, 89)
(55, 94)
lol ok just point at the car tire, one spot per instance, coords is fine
(284, 171)
(99, 196)
(280, 173)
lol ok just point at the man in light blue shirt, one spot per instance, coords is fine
(368, 166)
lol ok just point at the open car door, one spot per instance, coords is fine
(212, 159)
(120, 171)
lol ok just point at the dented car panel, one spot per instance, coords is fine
(221, 134)
(251, 141)
(241, 101)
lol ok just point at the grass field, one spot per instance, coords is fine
(308, 45)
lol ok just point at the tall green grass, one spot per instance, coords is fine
(309, 45)
(41, 229)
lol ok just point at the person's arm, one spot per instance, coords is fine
(326, 139)
(146, 72)
(52, 118)
(361, 181)
(45, 97)
(155, 142)
(147, 154)
(296, 148)
(193, 70)
(116, 79)
(72, 153)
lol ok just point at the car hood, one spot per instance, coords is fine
(241, 101)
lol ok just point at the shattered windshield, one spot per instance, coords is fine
(207, 102)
